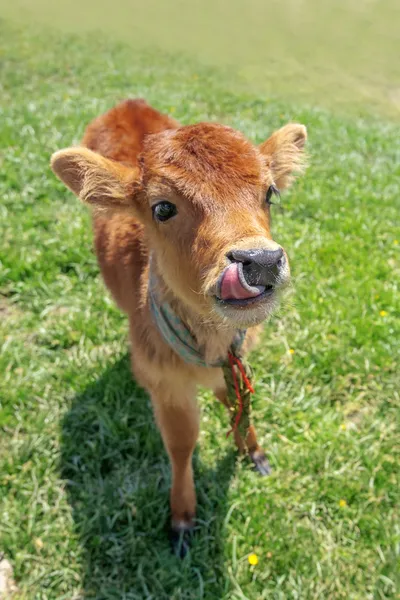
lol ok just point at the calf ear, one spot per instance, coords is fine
(284, 152)
(96, 180)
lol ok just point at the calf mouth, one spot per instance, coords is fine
(233, 289)
(246, 302)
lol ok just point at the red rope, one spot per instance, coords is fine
(232, 360)
(243, 372)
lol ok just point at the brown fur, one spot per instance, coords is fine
(133, 156)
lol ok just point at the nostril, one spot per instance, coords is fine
(281, 262)
(277, 254)
(236, 256)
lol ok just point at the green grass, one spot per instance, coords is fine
(328, 52)
(83, 476)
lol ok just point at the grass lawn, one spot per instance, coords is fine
(83, 475)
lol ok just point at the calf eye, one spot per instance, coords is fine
(164, 211)
(271, 191)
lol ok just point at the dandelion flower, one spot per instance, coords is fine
(383, 313)
(291, 351)
(342, 503)
(253, 559)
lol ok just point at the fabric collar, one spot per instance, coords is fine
(176, 333)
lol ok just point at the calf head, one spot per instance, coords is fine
(203, 194)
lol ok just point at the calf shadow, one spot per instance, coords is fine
(117, 479)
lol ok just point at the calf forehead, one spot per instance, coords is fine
(210, 164)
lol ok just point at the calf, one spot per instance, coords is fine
(181, 219)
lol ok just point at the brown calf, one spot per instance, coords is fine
(182, 222)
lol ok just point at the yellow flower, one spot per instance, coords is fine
(396, 242)
(383, 313)
(343, 426)
(342, 503)
(291, 351)
(253, 559)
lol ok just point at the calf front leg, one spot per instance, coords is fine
(248, 443)
(178, 421)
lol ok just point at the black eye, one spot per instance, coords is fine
(271, 191)
(164, 211)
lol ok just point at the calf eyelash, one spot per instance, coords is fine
(271, 191)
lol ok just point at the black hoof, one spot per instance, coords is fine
(180, 539)
(261, 463)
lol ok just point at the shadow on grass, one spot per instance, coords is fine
(118, 478)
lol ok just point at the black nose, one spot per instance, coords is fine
(260, 266)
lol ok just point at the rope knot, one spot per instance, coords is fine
(242, 388)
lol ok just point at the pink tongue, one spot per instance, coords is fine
(232, 289)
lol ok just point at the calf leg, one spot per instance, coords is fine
(249, 442)
(178, 420)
